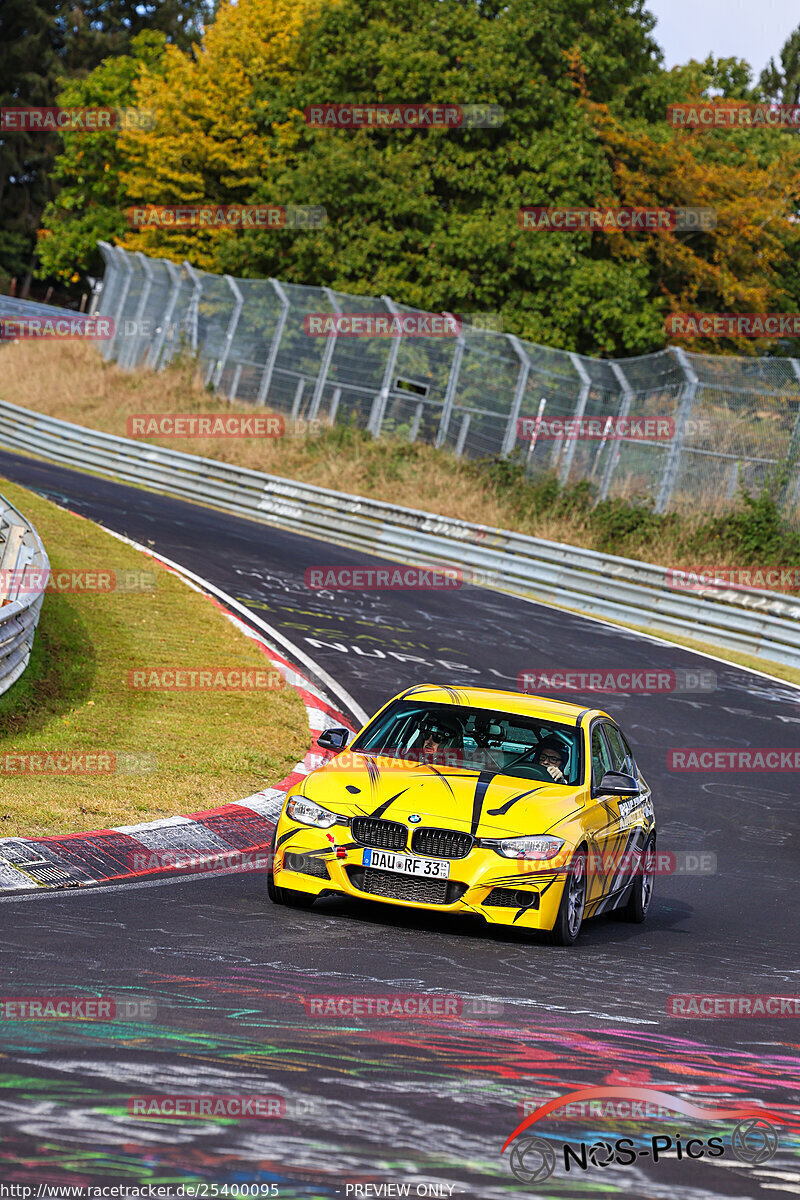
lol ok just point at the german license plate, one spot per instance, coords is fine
(406, 864)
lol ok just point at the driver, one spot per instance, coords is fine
(551, 754)
(440, 734)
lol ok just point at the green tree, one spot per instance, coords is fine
(90, 200)
(783, 83)
(43, 45)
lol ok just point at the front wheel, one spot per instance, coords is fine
(573, 902)
(635, 909)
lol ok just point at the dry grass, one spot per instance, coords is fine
(71, 381)
(179, 751)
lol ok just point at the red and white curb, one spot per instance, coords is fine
(235, 837)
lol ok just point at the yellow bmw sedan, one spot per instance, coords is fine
(518, 809)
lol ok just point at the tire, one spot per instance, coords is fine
(638, 903)
(287, 896)
(573, 903)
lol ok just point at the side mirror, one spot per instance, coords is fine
(615, 783)
(333, 739)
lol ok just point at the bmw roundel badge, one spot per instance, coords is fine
(414, 819)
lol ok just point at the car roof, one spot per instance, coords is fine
(519, 703)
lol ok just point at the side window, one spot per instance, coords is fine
(601, 760)
(631, 768)
(620, 756)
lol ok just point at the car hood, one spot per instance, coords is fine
(484, 803)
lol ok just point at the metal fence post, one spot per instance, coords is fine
(450, 393)
(580, 409)
(510, 435)
(624, 409)
(154, 355)
(325, 365)
(298, 398)
(378, 410)
(192, 314)
(794, 449)
(462, 434)
(131, 349)
(272, 357)
(689, 392)
(122, 258)
(231, 330)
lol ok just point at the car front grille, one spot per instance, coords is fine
(382, 835)
(501, 897)
(410, 888)
(441, 843)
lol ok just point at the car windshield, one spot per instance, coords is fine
(475, 739)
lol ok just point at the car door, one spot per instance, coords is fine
(636, 812)
(601, 822)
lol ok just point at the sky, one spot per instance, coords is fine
(751, 29)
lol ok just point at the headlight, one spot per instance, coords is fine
(526, 847)
(309, 813)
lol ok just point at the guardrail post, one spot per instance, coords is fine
(688, 394)
(157, 345)
(231, 330)
(337, 396)
(510, 435)
(130, 348)
(378, 410)
(624, 409)
(452, 385)
(324, 367)
(275, 345)
(580, 409)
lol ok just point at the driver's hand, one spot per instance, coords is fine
(555, 773)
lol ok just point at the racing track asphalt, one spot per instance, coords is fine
(405, 1101)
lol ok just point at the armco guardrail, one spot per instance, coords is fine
(622, 589)
(24, 570)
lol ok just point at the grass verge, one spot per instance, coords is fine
(168, 752)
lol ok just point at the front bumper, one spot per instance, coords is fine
(502, 891)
